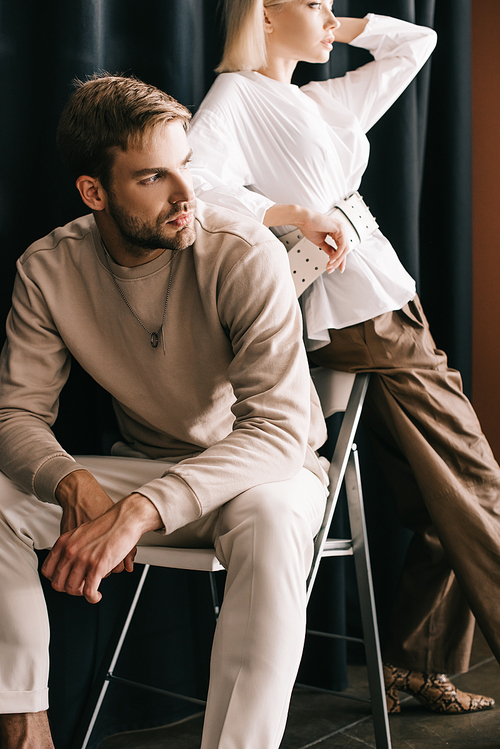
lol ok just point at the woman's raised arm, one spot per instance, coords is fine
(349, 29)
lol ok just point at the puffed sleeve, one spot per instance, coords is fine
(219, 168)
(399, 48)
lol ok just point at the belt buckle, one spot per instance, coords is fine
(354, 208)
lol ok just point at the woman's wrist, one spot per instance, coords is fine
(283, 215)
(349, 29)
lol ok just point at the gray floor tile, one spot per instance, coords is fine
(313, 716)
(319, 721)
(183, 735)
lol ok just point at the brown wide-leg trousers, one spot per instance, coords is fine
(446, 483)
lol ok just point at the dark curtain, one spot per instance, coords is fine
(418, 185)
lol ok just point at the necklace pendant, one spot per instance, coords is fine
(154, 338)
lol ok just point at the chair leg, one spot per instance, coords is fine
(367, 602)
(106, 672)
(215, 595)
(97, 697)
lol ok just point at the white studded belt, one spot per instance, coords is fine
(307, 261)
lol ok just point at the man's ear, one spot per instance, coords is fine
(92, 192)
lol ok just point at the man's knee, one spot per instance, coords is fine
(279, 509)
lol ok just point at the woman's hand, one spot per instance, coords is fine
(316, 227)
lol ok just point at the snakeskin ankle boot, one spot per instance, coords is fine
(434, 691)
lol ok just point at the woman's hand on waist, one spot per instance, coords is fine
(316, 227)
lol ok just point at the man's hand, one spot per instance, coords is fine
(82, 557)
(82, 499)
(316, 227)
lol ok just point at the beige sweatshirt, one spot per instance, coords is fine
(230, 401)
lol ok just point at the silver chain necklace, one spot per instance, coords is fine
(154, 337)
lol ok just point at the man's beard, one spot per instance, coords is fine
(143, 237)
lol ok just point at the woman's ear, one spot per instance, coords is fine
(91, 192)
(268, 27)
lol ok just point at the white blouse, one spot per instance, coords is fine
(257, 141)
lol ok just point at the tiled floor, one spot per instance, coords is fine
(327, 722)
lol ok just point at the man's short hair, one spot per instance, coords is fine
(107, 112)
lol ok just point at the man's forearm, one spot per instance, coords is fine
(83, 499)
(142, 512)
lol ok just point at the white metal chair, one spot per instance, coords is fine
(339, 392)
(342, 391)
(201, 560)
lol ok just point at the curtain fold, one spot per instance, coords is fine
(417, 184)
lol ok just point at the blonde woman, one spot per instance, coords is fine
(286, 155)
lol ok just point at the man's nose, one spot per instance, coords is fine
(182, 189)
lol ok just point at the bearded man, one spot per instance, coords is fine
(186, 314)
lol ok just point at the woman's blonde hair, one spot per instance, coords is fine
(245, 45)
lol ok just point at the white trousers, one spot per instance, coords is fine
(264, 538)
